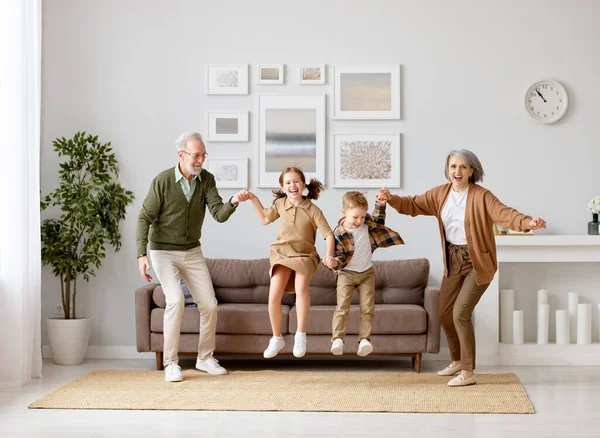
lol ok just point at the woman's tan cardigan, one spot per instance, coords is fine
(483, 210)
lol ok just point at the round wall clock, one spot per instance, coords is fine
(546, 101)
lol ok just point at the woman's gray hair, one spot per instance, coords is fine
(471, 160)
(181, 142)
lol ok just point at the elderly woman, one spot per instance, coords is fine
(466, 213)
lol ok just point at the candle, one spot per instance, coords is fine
(562, 327)
(517, 327)
(573, 301)
(507, 305)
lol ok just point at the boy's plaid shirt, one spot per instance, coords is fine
(379, 235)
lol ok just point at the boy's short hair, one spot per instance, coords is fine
(354, 200)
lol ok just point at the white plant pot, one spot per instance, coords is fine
(68, 339)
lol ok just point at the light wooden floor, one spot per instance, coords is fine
(567, 401)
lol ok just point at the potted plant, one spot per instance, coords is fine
(91, 206)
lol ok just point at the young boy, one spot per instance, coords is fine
(357, 236)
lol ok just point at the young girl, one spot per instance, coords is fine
(293, 256)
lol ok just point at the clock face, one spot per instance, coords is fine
(546, 101)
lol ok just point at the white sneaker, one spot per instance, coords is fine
(364, 348)
(210, 365)
(299, 344)
(275, 344)
(173, 373)
(337, 347)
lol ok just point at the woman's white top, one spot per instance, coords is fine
(453, 217)
(361, 259)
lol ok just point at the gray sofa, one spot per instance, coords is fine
(406, 312)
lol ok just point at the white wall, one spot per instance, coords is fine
(133, 73)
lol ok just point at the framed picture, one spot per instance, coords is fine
(270, 74)
(230, 173)
(367, 92)
(311, 74)
(227, 79)
(291, 134)
(227, 126)
(366, 160)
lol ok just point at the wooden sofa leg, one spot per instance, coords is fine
(417, 362)
(159, 361)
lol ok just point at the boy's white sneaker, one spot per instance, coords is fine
(173, 373)
(299, 344)
(275, 344)
(210, 365)
(364, 348)
(337, 347)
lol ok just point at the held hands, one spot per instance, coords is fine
(383, 196)
(537, 223)
(241, 196)
(143, 266)
(329, 262)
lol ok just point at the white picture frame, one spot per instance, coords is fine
(227, 79)
(269, 74)
(313, 74)
(226, 126)
(291, 131)
(229, 173)
(362, 93)
(366, 160)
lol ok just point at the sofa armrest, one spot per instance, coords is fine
(431, 303)
(143, 307)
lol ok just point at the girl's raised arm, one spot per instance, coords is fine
(259, 209)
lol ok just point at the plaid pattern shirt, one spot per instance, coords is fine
(379, 235)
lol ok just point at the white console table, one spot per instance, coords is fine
(532, 249)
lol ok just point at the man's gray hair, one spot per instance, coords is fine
(181, 142)
(471, 160)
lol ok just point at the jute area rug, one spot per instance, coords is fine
(290, 391)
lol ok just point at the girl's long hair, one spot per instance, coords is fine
(314, 187)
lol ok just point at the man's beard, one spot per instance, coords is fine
(193, 170)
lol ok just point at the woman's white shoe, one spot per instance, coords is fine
(461, 380)
(449, 370)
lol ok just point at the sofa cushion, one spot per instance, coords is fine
(389, 319)
(247, 281)
(247, 319)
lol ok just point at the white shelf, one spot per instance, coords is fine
(532, 249)
(532, 353)
(573, 240)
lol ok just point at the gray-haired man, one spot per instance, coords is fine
(172, 216)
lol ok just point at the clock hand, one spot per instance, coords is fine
(540, 94)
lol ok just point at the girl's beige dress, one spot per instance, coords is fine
(295, 244)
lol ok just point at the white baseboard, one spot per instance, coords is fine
(107, 352)
(130, 352)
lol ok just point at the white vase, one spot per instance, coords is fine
(68, 339)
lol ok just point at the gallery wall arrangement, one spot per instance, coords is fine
(292, 128)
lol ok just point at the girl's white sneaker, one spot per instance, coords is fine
(275, 344)
(299, 344)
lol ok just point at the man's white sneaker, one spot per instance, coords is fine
(210, 365)
(364, 348)
(299, 344)
(173, 373)
(337, 347)
(275, 344)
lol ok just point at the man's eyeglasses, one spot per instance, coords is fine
(196, 156)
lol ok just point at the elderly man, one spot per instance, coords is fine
(172, 214)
